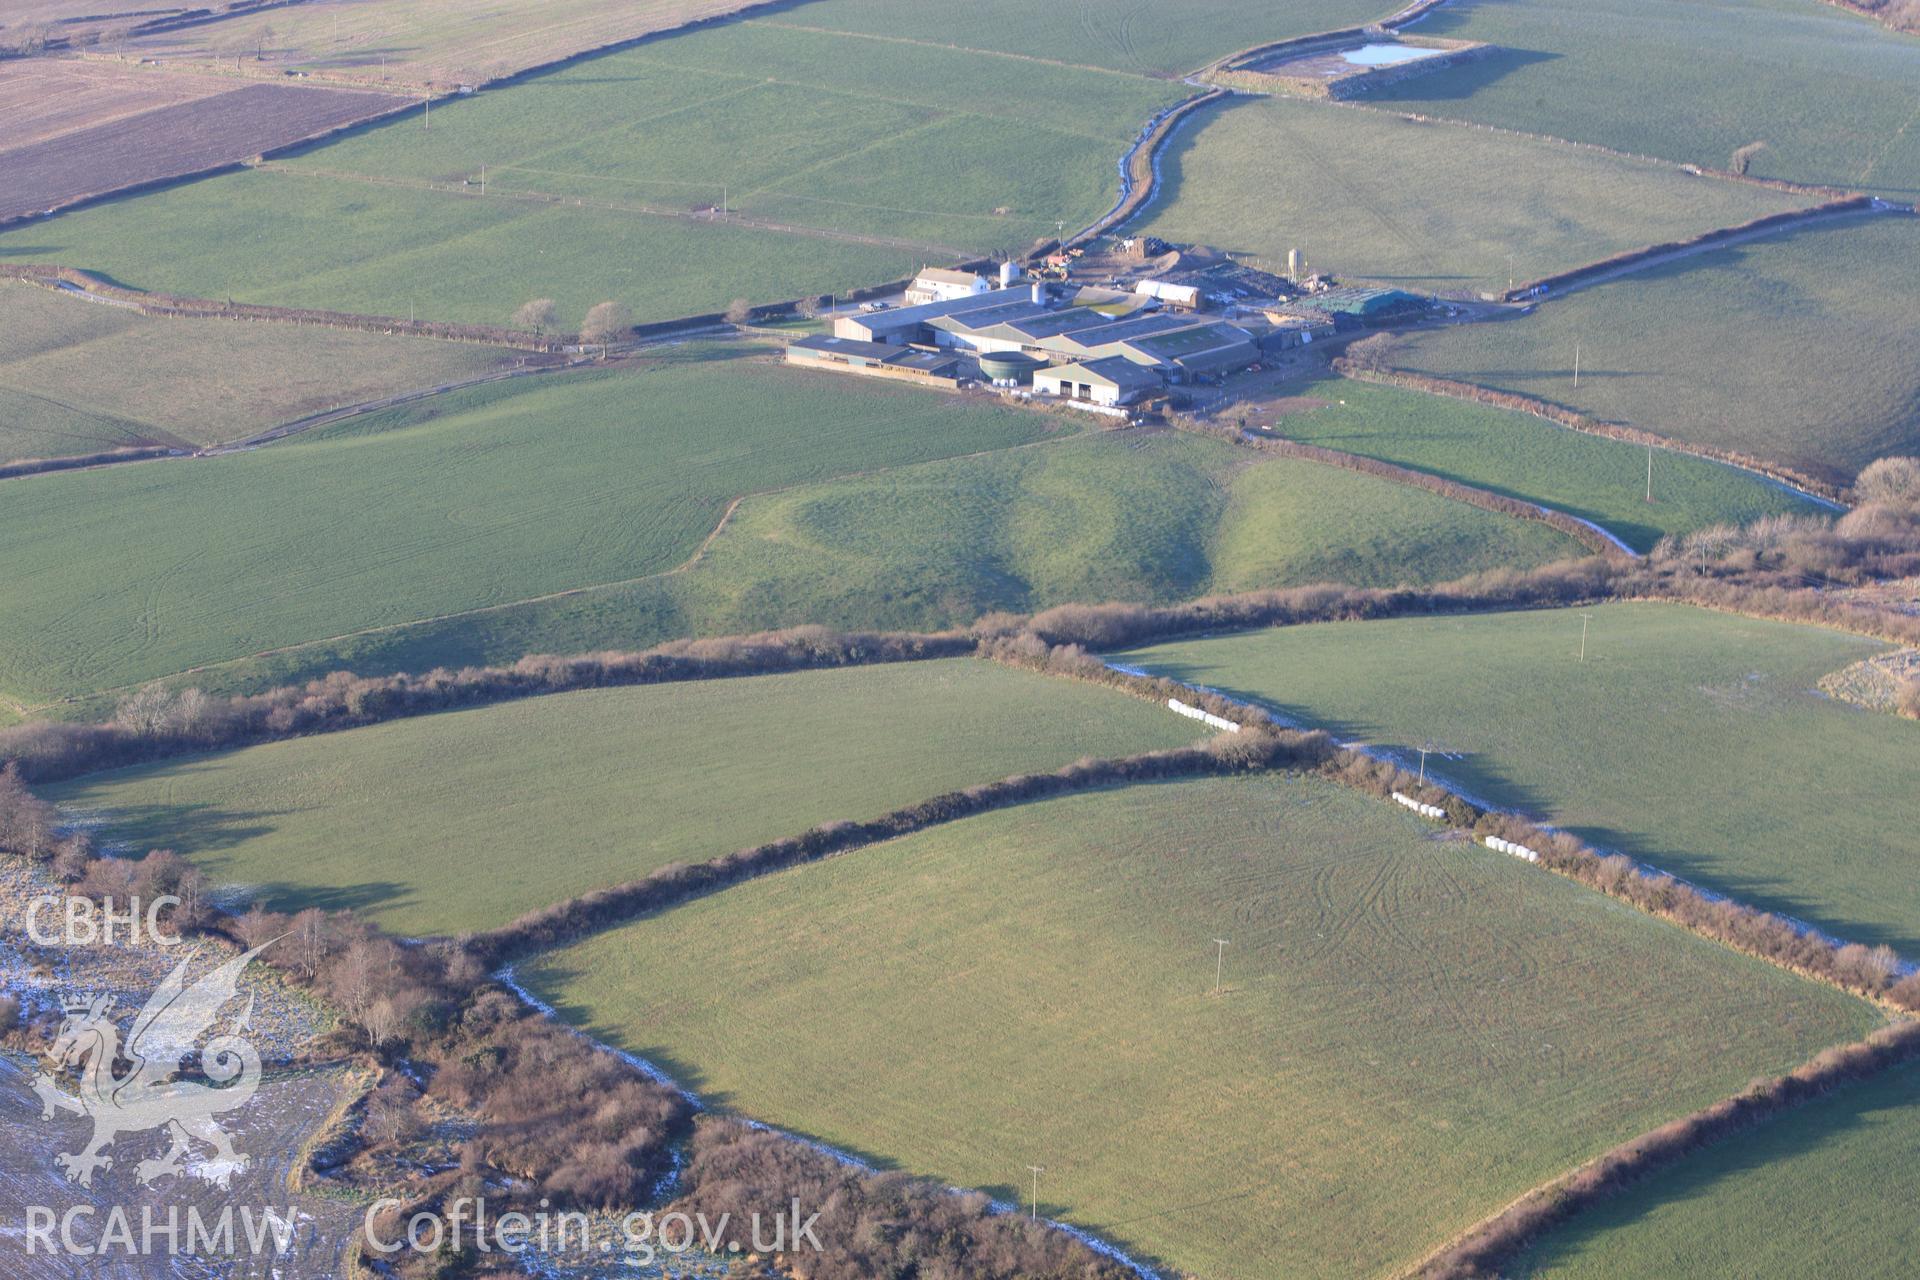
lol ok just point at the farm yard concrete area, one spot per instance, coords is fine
(1310, 1127)
(1370, 195)
(79, 377)
(1826, 330)
(1667, 744)
(336, 821)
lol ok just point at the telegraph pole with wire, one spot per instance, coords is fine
(1219, 962)
(1576, 362)
(1584, 617)
(1649, 473)
(1033, 1212)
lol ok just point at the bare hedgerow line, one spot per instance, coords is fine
(1763, 571)
(1592, 536)
(1362, 364)
(566, 922)
(1872, 974)
(1481, 1252)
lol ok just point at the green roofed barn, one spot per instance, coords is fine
(1369, 306)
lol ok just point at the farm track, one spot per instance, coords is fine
(618, 206)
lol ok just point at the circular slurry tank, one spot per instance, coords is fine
(1008, 368)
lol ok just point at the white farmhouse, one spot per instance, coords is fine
(940, 284)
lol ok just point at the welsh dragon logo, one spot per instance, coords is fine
(149, 1095)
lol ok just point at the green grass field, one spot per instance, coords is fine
(1098, 517)
(1827, 1189)
(481, 497)
(1167, 37)
(1524, 457)
(1411, 204)
(1410, 1032)
(1693, 740)
(840, 134)
(1796, 348)
(78, 376)
(465, 820)
(1832, 96)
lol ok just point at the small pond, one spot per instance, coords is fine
(1387, 55)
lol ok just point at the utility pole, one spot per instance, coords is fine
(429, 108)
(1219, 962)
(1584, 617)
(1649, 473)
(1036, 1170)
(1423, 762)
(483, 179)
(1512, 279)
(1576, 362)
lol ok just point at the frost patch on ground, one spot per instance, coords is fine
(282, 1025)
(1873, 683)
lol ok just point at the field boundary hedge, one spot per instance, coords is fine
(1359, 370)
(182, 307)
(1624, 261)
(1754, 573)
(134, 453)
(1891, 14)
(1594, 537)
(1482, 1250)
(157, 724)
(1870, 974)
(592, 912)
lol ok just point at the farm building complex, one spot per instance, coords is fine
(1071, 350)
(1194, 317)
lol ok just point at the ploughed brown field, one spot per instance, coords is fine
(42, 98)
(175, 141)
(417, 42)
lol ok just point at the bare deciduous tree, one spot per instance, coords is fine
(536, 315)
(739, 311)
(192, 711)
(607, 322)
(1895, 480)
(147, 711)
